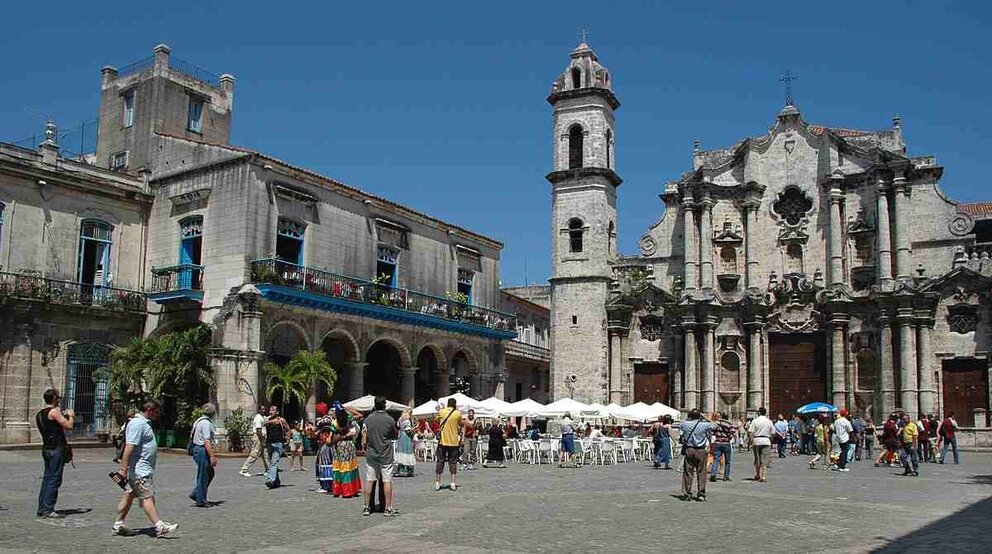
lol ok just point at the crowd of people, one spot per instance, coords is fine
(705, 442)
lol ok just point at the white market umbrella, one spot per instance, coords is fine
(527, 407)
(639, 412)
(465, 403)
(367, 404)
(426, 409)
(501, 407)
(559, 408)
(663, 409)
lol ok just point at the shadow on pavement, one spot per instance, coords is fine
(962, 531)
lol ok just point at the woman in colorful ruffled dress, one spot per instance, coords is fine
(337, 464)
(404, 457)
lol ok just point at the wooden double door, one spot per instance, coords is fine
(651, 383)
(966, 387)
(797, 372)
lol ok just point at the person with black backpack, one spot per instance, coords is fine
(52, 423)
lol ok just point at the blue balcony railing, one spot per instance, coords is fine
(68, 293)
(356, 290)
(177, 282)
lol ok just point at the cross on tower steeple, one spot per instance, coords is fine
(787, 81)
(584, 35)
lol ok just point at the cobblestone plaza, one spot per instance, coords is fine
(522, 508)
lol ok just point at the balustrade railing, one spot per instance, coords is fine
(68, 293)
(355, 289)
(177, 277)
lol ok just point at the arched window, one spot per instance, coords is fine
(576, 78)
(575, 139)
(95, 240)
(575, 235)
(609, 149)
(611, 237)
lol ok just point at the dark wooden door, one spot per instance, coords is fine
(651, 383)
(966, 387)
(797, 372)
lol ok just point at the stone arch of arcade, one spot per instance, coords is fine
(385, 360)
(282, 340)
(465, 367)
(343, 354)
(432, 374)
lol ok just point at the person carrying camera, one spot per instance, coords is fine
(52, 423)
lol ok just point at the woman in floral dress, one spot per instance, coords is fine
(405, 460)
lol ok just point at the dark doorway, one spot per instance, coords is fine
(382, 374)
(427, 376)
(966, 387)
(797, 372)
(651, 383)
(341, 355)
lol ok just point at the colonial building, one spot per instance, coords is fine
(809, 263)
(276, 258)
(528, 357)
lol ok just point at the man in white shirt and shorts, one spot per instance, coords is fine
(761, 430)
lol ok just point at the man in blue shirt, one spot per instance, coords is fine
(781, 434)
(138, 467)
(695, 436)
(204, 442)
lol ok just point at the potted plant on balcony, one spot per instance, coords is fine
(265, 274)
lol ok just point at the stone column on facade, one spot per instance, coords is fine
(691, 368)
(706, 243)
(836, 251)
(887, 375)
(750, 234)
(908, 378)
(689, 242)
(884, 236)
(901, 192)
(754, 372)
(709, 369)
(408, 385)
(838, 365)
(616, 367)
(925, 366)
(356, 379)
(765, 365)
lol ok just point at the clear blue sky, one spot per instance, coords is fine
(441, 105)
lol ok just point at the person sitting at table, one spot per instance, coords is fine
(496, 444)
(618, 432)
(533, 433)
(511, 431)
(596, 434)
(629, 433)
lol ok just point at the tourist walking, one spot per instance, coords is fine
(946, 431)
(695, 432)
(296, 445)
(380, 430)
(843, 429)
(496, 443)
(760, 433)
(923, 452)
(276, 430)
(723, 438)
(450, 431)
(910, 443)
(257, 448)
(471, 441)
(869, 439)
(821, 443)
(567, 441)
(52, 423)
(204, 443)
(890, 442)
(857, 438)
(138, 470)
(405, 459)
(661, 435)
(781, 435)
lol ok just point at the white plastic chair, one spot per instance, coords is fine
(508, 449)
(546, 447)
(608, 451)
(528, 451)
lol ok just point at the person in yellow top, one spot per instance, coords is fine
(449, 445)
(910, 438)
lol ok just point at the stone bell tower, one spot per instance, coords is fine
(583, 219)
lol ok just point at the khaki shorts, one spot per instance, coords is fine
(142, 487)
(762, 454)
(374, 471)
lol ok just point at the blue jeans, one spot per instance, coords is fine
(276, 452)
(52, 480)
(953, 442)
(718, 449)
(842, 461)
(204, 475)
(910, 462)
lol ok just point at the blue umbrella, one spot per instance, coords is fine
(817, 408)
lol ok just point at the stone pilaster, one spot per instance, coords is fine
(616, 367)
(887, 375)
(755, 395)
(356, 379)
(408, 385)
(903, 256)
(691, 368)
(706, 243)
(689, 241)
(750, 234)
(836, 251)
(884, 236)
(709, 368)
(908, 378)
(838, 361)
(924, 362)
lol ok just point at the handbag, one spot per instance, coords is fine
(189, 443)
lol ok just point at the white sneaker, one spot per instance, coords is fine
(453, 487)
(164, 529)
(121, 529)
(244, 473)
(437, 486)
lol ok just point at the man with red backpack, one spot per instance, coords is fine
(946, 432)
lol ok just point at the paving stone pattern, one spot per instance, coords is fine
(519, 509)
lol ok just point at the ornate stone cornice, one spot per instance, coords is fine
(606, 94)
(567, 174)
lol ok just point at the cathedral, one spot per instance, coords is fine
(808, 263)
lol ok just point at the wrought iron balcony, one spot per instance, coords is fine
(283, 281)
(19, 286)
(529, 351)
(177, 283)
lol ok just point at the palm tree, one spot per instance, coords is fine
(314, 368)
(288, 380)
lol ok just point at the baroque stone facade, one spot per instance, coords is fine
(810, 263)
